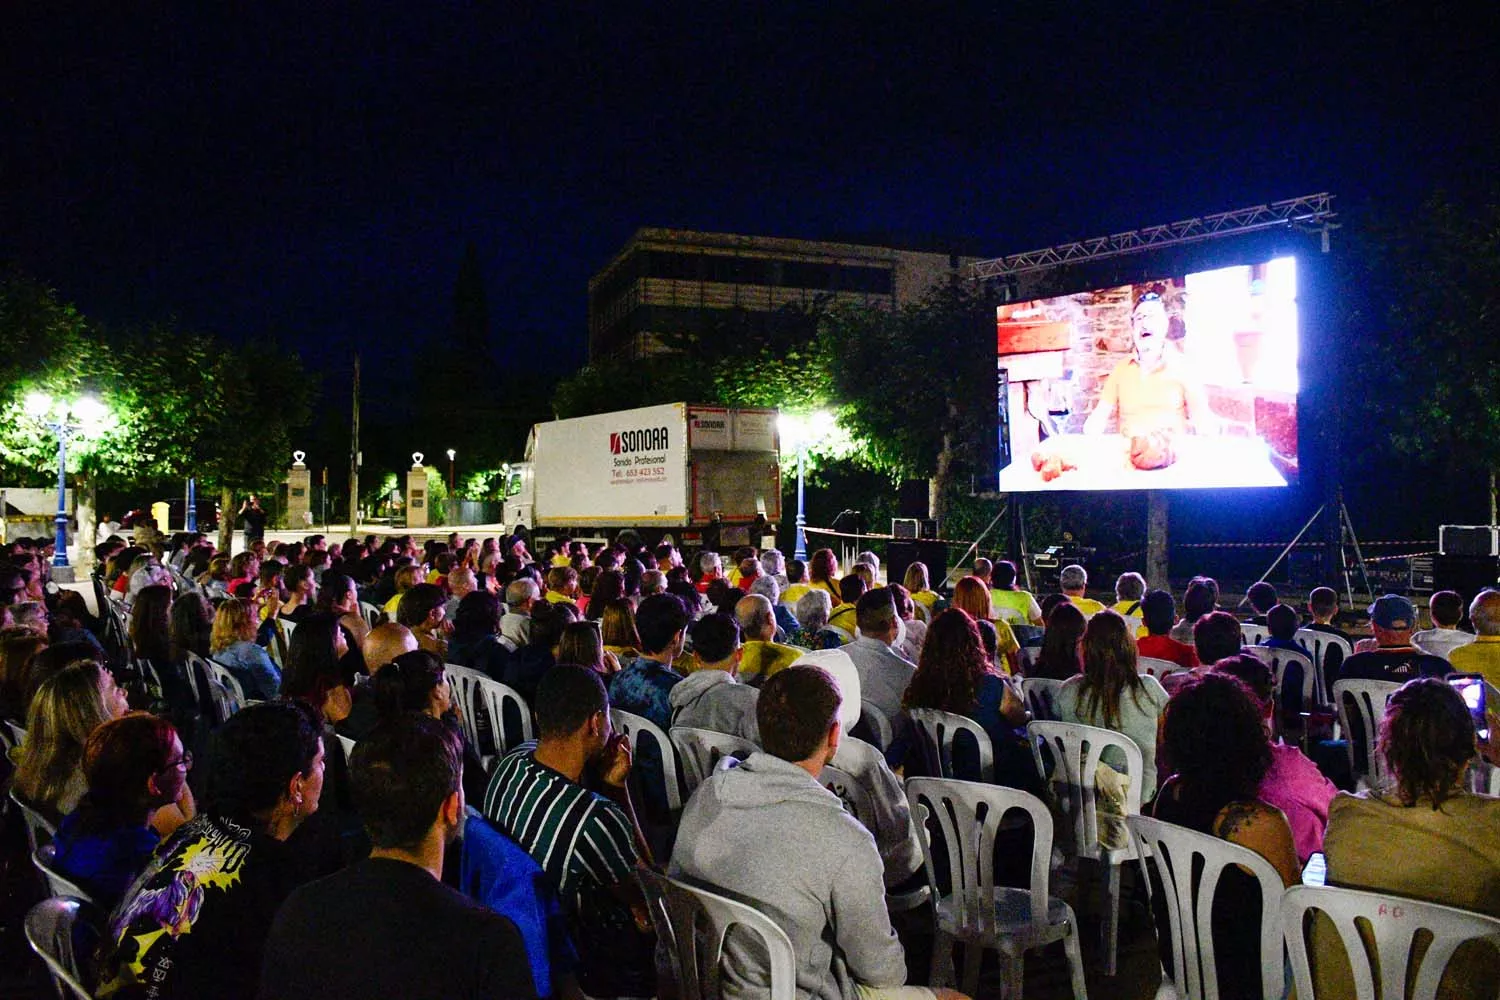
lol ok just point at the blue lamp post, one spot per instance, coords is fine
(65, 419)
(802, 432)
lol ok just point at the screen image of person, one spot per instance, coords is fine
(1154, 390)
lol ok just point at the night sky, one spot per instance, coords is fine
(314, 171)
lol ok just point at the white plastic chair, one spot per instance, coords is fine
(372, 614)
(231, 683)
(1189, 865)
(478, 691)
(877, 723)
(348, 746)
(44, 858)
(1368, 698)
(635, 726)
(701, 749)
(39, 829)
(1251, 635)
(859, 803)
(49, 931)
(1319, 643)
(1041, 696)
(938, 728)
(975, 910)
(1154, 666)
(1277, 660)
(1075, 751)
(693, 924)
(1390, 923)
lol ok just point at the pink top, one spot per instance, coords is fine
(1296, 787)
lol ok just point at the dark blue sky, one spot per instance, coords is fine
(314, 170)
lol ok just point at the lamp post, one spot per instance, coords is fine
(802, 431)
(452, 499)
(64, 419)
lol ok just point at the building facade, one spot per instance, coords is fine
(671, 281)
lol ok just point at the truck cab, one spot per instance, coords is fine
(520, 496)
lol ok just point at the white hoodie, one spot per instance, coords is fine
(714, 700)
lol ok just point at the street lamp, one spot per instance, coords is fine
(803, 431)
(452, 499)
(451, 453)
(65, 419)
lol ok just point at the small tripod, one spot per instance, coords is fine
(1347, 540)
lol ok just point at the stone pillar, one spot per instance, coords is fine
(298, 493)
(416, 493)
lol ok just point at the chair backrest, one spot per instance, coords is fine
(1277, 660)
(1365, 700)
(1041, 696)
(855, 796)
(701, 749)
(937, 730)
(50, 928)
(39, 829)
(1155, 666)
(968, 816)
(1390, 923)
(1074, 753)
(635, 726)
(372, 613)
(1320, 644)
(694, 924)
(44, 858)
(196, 668)
(1189, 865)
(348, 746)
(875, 723)
(281, 640)
(1251, 635)
(231, 683)
(478, 691)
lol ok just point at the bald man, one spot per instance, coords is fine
(381, 646)
(1482, 656)
(761, 657)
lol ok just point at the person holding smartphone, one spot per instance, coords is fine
(1426, 836)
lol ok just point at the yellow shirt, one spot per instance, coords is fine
(393, 604)
(831, 588)
(1482, 656)
(562, 560)
(1147, 401)
(843, 617)
(793, 593)
(1121, 608)
(766, 659)
(1087, 605)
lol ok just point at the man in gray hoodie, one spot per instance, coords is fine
(711, 697)
(828, 894)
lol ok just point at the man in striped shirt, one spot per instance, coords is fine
(587, 842)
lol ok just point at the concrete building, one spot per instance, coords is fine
(667, 281)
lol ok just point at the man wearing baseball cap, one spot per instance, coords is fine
(1393, 619)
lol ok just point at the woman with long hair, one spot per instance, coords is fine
(1110, 693)
(917, 583)
(823, 572)
(972, 595)
(609, 586)
(1060, 656)
(338, 596)
(66, 709)
(1214, 743)
(314, 673)
(232, 644)
(582, 644)
(151, 625)
(617, 630)
(190, 628)
(136, 768)
(418, 682)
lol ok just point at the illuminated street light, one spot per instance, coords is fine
(802, 432)
(65, 418)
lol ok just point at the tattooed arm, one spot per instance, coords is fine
(1264, 829)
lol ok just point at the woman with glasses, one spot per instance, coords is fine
(137, 795)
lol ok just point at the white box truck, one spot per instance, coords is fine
(702, 474)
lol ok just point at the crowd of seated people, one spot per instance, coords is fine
(255, 855)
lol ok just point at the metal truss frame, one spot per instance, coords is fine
(1313, 212)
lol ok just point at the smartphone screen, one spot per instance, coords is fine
(1471, 686)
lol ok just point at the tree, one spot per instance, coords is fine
(1431, 341)
(916, 385)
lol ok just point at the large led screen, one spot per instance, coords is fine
(1185, 382)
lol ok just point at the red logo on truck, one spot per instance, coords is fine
(645, 439)
(614, 442)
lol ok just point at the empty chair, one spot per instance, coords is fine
(1068, 756)
(1251, 635)
(57, 883)
(936, 731)
(1041, 696)
(1361, 706)
(52, 928)
(974, 910)
(1189, 867)
(1379, 933)
(701, 749)
(692, 924)
(1155, 667)
(636, 726)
